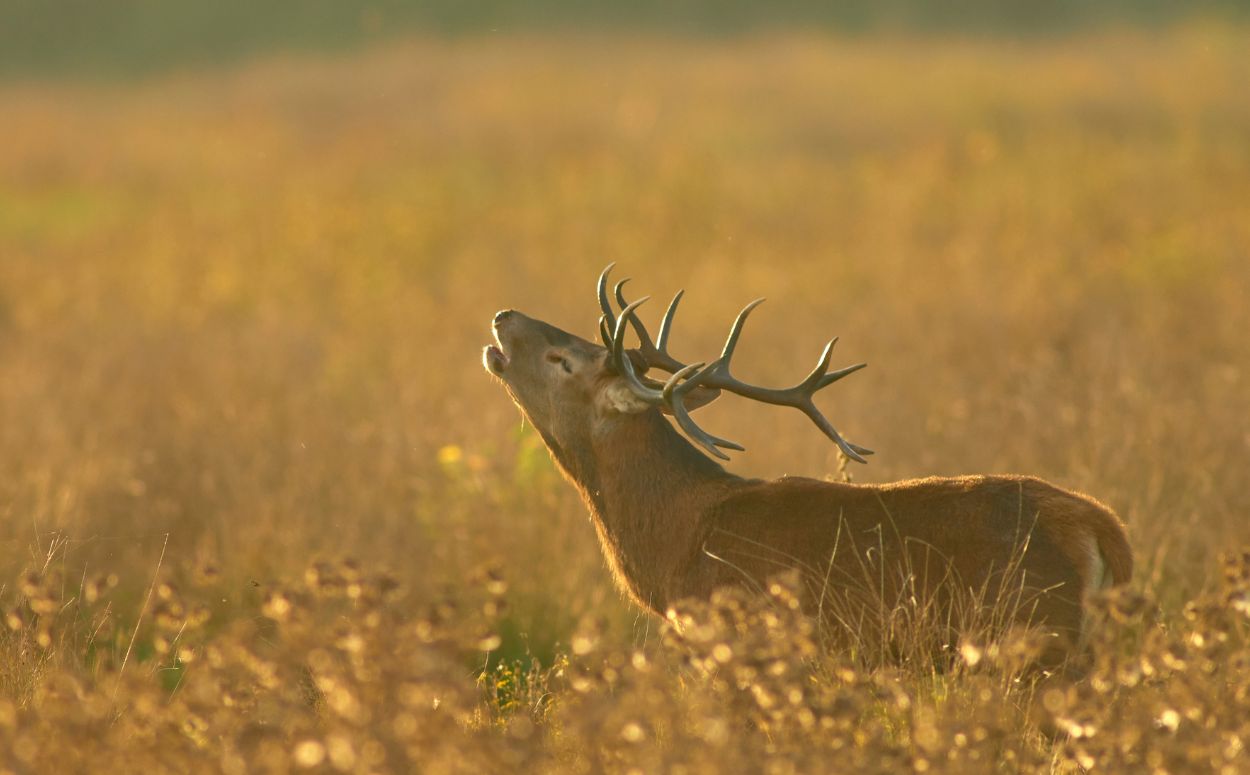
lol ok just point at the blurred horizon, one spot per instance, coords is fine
(78, 39)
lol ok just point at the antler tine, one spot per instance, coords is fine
(819, 378)
(654, 355)
(644, 338)
(800, 396)
(675, 389)
(666, 324)
(605, 332)
(604, 304)
(619, 359)
(853, 451)
(833, 377)
(625, 367)
(636, 385)
(610, 330)
(734, 332)
(674, 393)
(616, 291)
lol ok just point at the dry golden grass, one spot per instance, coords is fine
(241, 313)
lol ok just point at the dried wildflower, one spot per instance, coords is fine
(971, 653)
(277, 605)
(30, 583)
(43, 605)
(309, 753)
(633, 733)
(341, 752)
(16, 617)
(351, 642)
(1169, 720)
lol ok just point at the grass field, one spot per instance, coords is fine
(241, 315)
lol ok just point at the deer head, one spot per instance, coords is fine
(564, 385)
(573, 390)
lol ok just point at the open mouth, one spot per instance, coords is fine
(494, 360)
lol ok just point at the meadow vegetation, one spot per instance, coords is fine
(262, 510)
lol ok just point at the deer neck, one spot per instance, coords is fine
(647, 493)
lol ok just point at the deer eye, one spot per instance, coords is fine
(560, 359)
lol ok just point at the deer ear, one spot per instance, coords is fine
(617, 397)
(700, 396)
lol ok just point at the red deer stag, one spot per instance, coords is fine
(674, 524)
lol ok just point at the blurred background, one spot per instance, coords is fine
(150, 36)
(249, 255)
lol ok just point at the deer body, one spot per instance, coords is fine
(684, 528)
(674, 524)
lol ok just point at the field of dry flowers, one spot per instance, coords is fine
(262, 510)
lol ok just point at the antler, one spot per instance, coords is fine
(714, 375)
(655, 355)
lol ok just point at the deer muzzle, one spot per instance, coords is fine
(493, 356)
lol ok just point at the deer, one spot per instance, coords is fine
(674, 524)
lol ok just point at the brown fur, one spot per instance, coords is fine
(674, 524)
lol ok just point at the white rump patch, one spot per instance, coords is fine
(1097, 578)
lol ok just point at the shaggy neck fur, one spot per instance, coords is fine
(646, 488)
